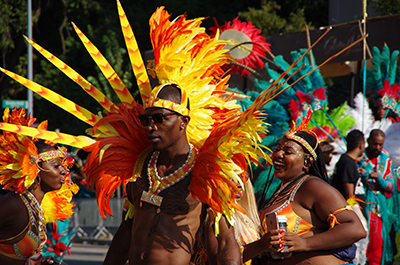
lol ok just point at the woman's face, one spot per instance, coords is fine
(53, 175)
(381, 112)
(288, 159)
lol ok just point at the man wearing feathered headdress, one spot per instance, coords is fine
(164, 206)
(166, 215)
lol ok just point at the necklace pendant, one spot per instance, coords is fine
(157, 183)
(155, 186)
(151, 198)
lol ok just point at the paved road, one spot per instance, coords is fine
(86, 254)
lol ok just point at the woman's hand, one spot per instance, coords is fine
(294, 243)
(271, 240)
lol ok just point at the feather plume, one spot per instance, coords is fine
(122, 146)
(224, 157)
(185, 55)
(362, 114)
(57, 204)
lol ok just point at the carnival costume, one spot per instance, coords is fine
(380, 212)
(19, 167)
(58, 243)
(226, 139)
(251, 48)
(286, 194)
(295, 224)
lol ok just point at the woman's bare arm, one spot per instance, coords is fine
(322, 198)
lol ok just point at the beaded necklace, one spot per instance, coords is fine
(33, 204)
(284, 191)
(157, 183)
(32, 219)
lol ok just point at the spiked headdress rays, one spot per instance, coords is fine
(194, 69)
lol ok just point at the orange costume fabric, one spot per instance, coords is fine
(295, 224)
(23, 249)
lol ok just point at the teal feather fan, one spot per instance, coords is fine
(384, 67)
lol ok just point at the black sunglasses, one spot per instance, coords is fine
(156, 118)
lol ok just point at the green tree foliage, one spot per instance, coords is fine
(13, 20)
(386, 7)
(315, 11)
(271, 23)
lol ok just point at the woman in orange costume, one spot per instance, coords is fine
(29, 170)
(321, 226)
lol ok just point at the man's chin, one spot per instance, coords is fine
(376, 153)
(157, 147)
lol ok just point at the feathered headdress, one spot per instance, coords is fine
(332, 127)
(248, 46)
(303, 126)
(390, 96)
(384, 69)
(187, 57)
(19, 165)
(18, 154)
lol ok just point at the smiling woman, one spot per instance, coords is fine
(33, 172)
(321, 228)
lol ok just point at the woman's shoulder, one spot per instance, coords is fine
(318, 187)
(11, 206)
(10, 198)
(13, 215)
(313, 180)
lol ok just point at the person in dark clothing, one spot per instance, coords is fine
(346, 176)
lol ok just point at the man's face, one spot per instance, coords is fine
(165, 131)
(375, 145)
